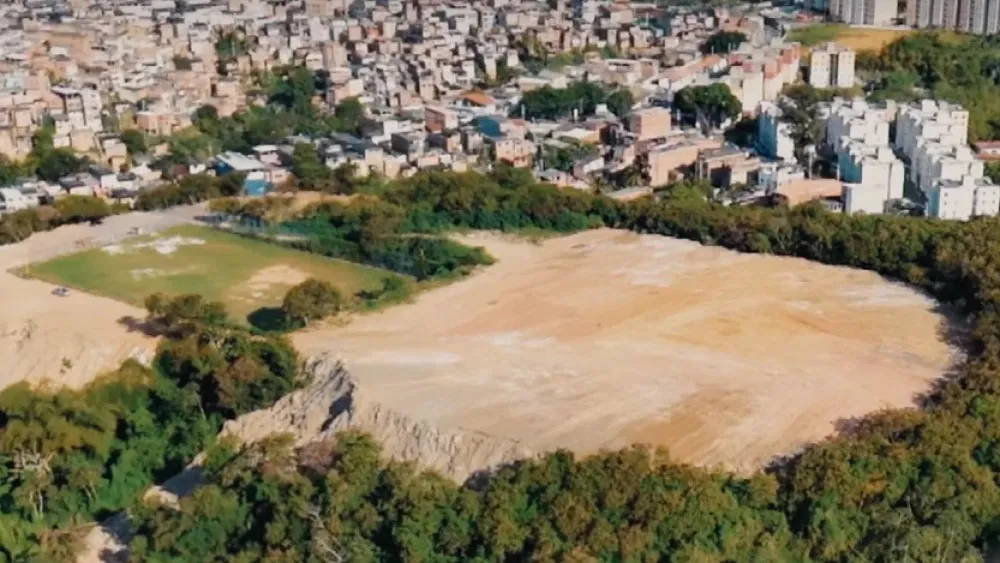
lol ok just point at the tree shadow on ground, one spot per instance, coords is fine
(270, 319)
(148, 328)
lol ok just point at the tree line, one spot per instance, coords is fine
(19, 225)
(367, 230)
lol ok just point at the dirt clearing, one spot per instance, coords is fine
(605, 338)
(70, 340)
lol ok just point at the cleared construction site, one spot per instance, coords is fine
(606, 338)
(591, 341)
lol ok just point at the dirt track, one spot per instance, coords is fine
(605, 338)
(69, 340)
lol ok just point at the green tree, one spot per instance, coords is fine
(311, 300)
(185, 314)
(10, 170)
(310, 171)
(714, 104)
(349, 113)
(620, 102)
(293, 88)
(743, 133)
(231, 43)
(723, 42)
(78, 208)
(182, 63)
(800, 109)
(135, 141)
(554, 103)
(563, 158)
(205, 114)
(992, 170)
(53, 164)
(345, 179)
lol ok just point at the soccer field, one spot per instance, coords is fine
(246, 275)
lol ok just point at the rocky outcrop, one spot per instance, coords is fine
(333, 401)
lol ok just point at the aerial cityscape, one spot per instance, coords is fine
(444, 281)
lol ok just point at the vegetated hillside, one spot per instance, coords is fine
(959, 68)
(68, 457)
(907, 485)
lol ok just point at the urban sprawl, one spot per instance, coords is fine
(115, 97)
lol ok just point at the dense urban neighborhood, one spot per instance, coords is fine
(113, 99)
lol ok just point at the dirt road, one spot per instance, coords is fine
(69, 340)
(605, 338)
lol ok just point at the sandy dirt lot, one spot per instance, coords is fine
(861, 39)
(605, 338)
(69, 340)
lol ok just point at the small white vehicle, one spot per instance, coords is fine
(61, 291)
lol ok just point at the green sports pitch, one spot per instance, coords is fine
(246, 274)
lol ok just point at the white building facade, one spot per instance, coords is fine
(831, 66)
(859, 133)
(963, 199)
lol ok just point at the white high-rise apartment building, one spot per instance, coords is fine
(934, 138)
(859, 120)
(872, 175)
(928, 120)
(972, 16)
(831, 66)
(864, 12)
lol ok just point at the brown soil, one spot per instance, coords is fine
(605, 338)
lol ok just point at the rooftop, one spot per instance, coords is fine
(240, 162)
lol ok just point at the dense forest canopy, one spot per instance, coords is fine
(909, 485)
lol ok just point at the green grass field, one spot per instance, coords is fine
(247, 275)
(857, 38)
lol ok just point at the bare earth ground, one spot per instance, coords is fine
(69, 340)
(605, 338)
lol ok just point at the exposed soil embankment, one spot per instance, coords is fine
(334, 401)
